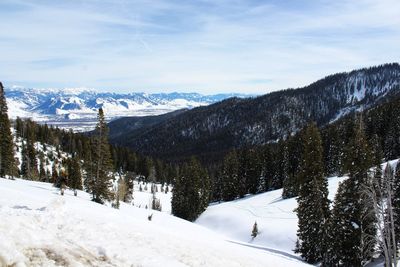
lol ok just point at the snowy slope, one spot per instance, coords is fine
(276, 219)
(142, 199)
(38, 227)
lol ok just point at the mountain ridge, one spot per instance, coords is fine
(235, 123)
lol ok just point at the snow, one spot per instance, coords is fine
(355, 225)
(142, 199)
(39, 227)
(75, 107)
(275, 217)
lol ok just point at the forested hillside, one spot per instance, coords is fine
(210, 131)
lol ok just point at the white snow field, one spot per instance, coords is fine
(275, 217)
(39, 227)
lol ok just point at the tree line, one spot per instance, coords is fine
(365, 216)
(278, 165)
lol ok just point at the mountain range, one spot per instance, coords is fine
(233, 123)
(77, 107)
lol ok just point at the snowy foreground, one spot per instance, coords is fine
(38, 227)
(276, 219)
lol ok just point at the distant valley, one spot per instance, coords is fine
(77, 108)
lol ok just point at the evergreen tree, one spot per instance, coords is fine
(230, 178)
(191, 191)
(254, 232)
(102, 162)
(19, 127)
(313, 204)
(289, 183)
(129, 182)
(29, 167)
(31, 159)
(24, 161)
(7, 160)
(89, 167)
(243, 175)
(54, 172)
(42, 171)
(74, 174)
(353, 223)
(339, 226)
(253, 172)
(267, 168)
(333, 150)
(392, 138)
(217, 186)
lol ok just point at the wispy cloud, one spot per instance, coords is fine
(207, 46)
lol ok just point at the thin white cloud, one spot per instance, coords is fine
(210, 46)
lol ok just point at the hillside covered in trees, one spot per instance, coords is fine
(209, 132)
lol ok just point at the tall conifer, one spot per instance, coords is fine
(353, 223)
(313, 204)
(230, 180)
(7, 160)
(191, 191)
(102, 161)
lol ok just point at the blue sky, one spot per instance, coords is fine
(206, 46)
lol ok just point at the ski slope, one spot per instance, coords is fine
(39, 227)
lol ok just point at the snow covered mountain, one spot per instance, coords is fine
(78, 106)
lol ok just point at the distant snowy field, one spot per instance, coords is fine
(39, 227)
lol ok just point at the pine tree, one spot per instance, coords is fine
(333, 150)
(253, 172)
(339, 226)
(230, 180)
(74, 174)
(243, 175)
(267, 168)
(217, 186)
(42, 171)
(129, 182)
(353, 223)
(24, 161)
(289, 187)
(102, 162)
(54, 172)
(191, 191)
(313, 204)
(29, 160)
(254, 232)
(7, 160)
(29, 167)
(19, 127)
